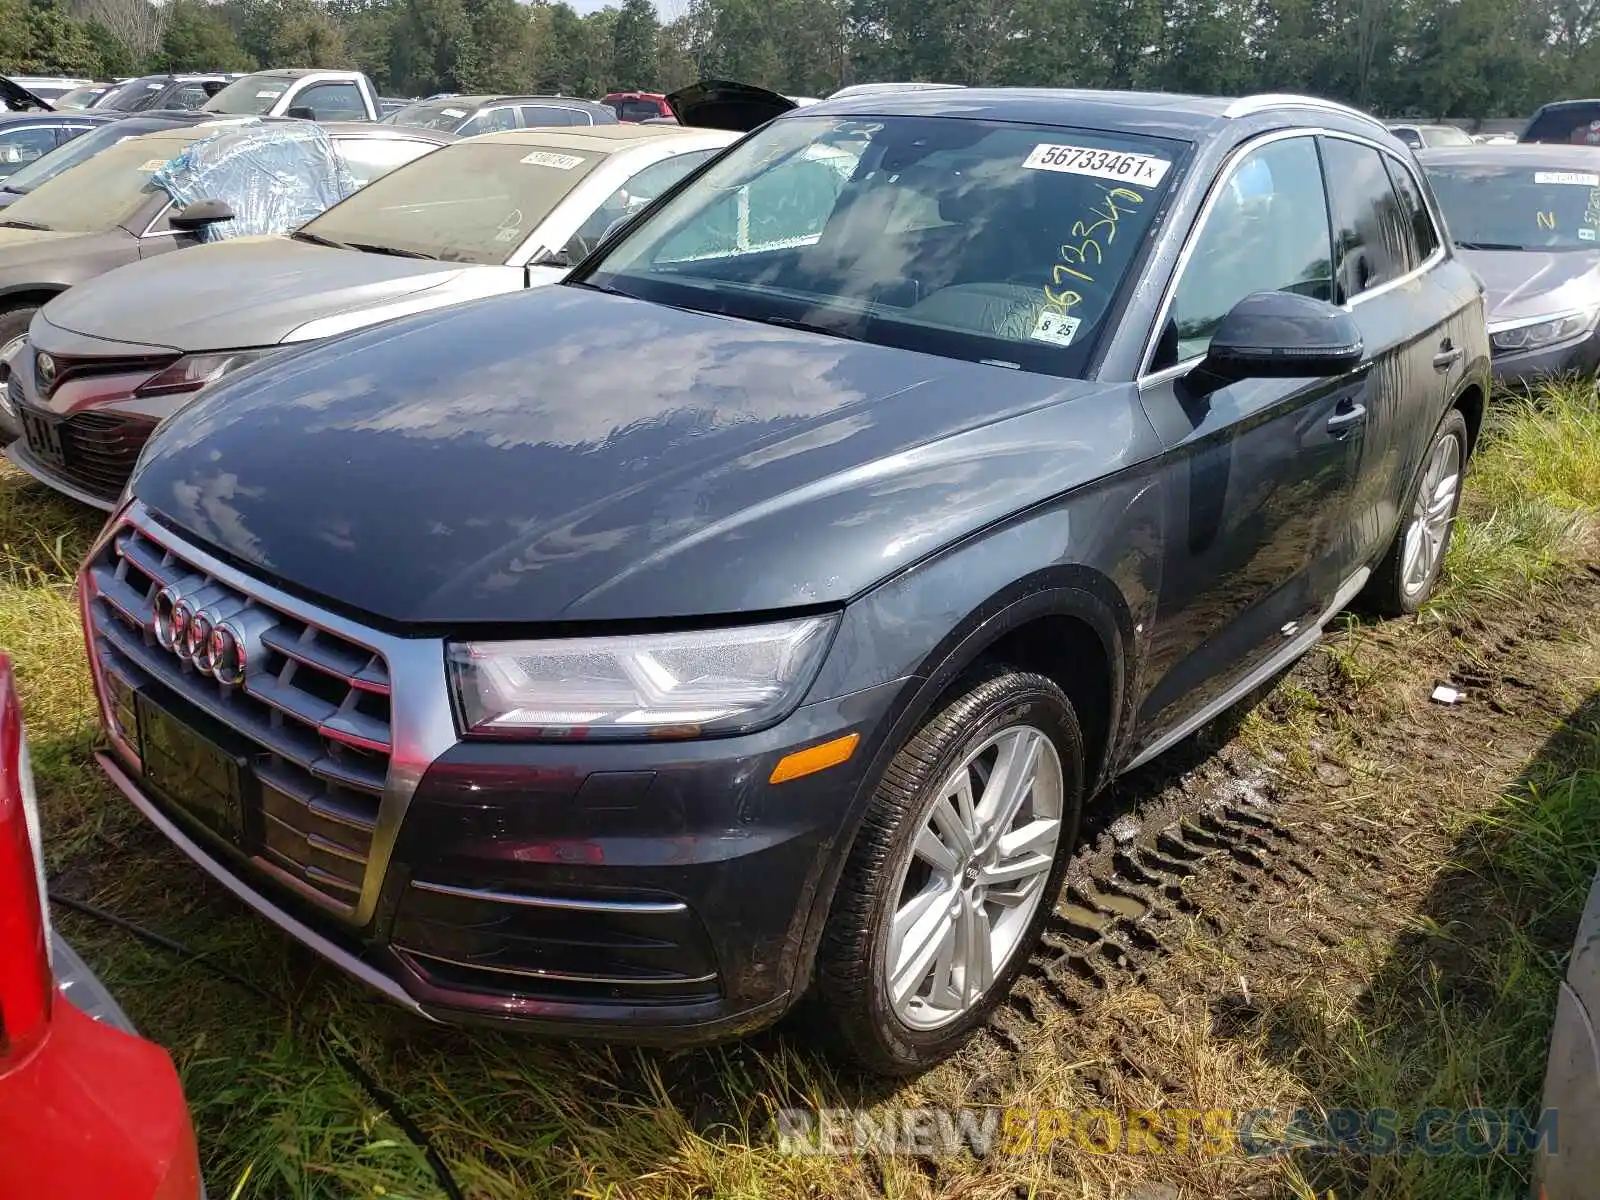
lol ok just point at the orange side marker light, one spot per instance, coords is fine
(814, 759)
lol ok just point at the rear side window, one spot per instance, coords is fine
(1266, 231)
(1409, 136)
(541, 116)
(332, 102)
(1372, 240)
(1424, 237)
(1569, 125)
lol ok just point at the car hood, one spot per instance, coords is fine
(33, 255)
(719, 104)
(1534, 283)
(248, 292)
(569, 455)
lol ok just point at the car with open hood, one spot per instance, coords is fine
(172, 190)
(752, 613)
(485, 216)
(1526, 218)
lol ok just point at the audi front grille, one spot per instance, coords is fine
(312, 706)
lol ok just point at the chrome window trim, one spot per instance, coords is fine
(1146, 377)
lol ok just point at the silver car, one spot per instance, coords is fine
(104, 364)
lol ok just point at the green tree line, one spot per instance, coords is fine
(1425, 58)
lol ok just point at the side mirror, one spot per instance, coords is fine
(303, 112)
(551, 258)
(200, 214)
(1280, 335)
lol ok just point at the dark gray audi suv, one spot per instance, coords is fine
(752, 614)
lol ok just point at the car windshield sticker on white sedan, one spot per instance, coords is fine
(1579, 178)
(267, 95)
(1055, 327)
(454, 112)
(544, 158)
(1102, 164)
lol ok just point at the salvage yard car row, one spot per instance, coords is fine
(618, 581)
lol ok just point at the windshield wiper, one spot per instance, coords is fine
(25, 225)
(394, 250)
(316, 239)
(1489, 246)
(807, 326)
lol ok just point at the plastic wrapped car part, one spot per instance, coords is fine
(274, 177)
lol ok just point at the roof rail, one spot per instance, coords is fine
(1248, 105)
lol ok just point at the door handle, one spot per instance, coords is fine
(1347, 418)
(1446, 358)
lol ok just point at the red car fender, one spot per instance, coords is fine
(95, 1113)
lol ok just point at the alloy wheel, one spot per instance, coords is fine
(1435, 508)
(973, 876)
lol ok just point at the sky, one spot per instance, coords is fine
(668, 9)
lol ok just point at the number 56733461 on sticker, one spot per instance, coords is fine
(1102, 164)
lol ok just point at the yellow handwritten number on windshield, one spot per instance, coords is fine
(1547, 220)
(1078, 259)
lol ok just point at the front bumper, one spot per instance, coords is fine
(649, 892)
(1524, 367)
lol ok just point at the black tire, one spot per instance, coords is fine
(13, 324)
(851, 993)
(1386, 593)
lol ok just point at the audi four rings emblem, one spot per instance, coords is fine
(211, 628)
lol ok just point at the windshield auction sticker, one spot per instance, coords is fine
(1579, 178)
(1055, 327)
(151, 166)
(1143, 169)
(544, 158)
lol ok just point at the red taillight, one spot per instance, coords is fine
(26, 985)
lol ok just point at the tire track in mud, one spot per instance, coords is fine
(1225, 844)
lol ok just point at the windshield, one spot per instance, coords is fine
(634, 110)
(79, 98)
(979, 240)
(254, 95)
(74, 152)
(444, 115)
(472, 202)
(1498, 206)
(103, 191)
(132, 96)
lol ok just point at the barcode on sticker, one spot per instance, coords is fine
(544, 158)
(1579, 178)
(1055, 327)
(1144, 169)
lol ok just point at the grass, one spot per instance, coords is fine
(1446, 1011)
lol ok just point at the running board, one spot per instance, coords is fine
(1291, 651)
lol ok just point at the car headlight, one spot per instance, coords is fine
(657, 685)
(1544, 331)
(193, 371)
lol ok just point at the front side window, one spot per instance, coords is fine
(1500, 205)
(1266, 231)
(250, 96)
(824, 223)
(1371, 237)
(70, 155)
(21, 147)
(332, 102)
(644, 186)
(470, 202)
(189, 97)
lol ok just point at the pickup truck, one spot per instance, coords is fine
(299, 92)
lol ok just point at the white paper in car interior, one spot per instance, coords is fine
(267, 95)
(1145, 170)
(1579, 178)
(545, 158)
(1055, 327)
(151, 165)
(454, 112)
